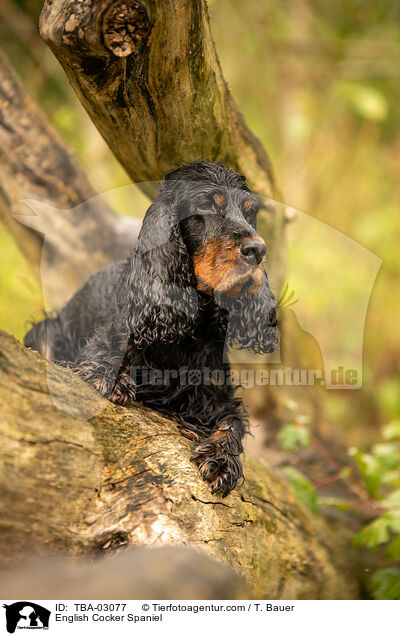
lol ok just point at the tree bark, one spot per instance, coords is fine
(82, 476)
(46, 196)
(149, 76)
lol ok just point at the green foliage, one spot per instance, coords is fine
(292, 436)
(296, 434)
(393, 549)
(380, 467)
(374, 533)
(302, 488)
(369, 469)
(380, 470)
(286, 299)
(385, 584)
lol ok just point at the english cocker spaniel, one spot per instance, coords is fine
(154, 327)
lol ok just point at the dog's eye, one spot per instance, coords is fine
(204, 206)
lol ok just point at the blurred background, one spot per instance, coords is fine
(318, 83)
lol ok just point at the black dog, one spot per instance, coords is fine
(195, 283)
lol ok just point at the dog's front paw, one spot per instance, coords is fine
(217, 466)
(124, 391)
(99, 376)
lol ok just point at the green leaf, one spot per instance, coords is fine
(291, 436)
(302, 488)
(387, 454)
(393, 549)
(385, 584)
(392, 501)
(370, 469)
(374, 534)
(393, 520)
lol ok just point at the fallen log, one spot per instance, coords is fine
(83, 477)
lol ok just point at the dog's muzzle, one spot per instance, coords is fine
(230, 267)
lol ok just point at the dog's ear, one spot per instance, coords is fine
(163, 303)
(252, 320)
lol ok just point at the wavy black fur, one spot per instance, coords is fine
(146, 312)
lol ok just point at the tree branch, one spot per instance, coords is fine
(149, 76)
(81, 232)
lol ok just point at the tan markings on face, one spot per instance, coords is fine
(220, 200)
(213, 262)
(218, 267)
(247, 205)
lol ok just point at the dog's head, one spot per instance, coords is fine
(218, 226)
(200, 235)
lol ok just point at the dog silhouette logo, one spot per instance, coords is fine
(26, 615)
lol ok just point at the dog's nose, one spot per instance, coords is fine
(252, 249)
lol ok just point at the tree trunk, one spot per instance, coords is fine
(45, 193)
(149, 76)
(82, 476)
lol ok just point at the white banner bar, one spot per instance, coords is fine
(311, 618)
